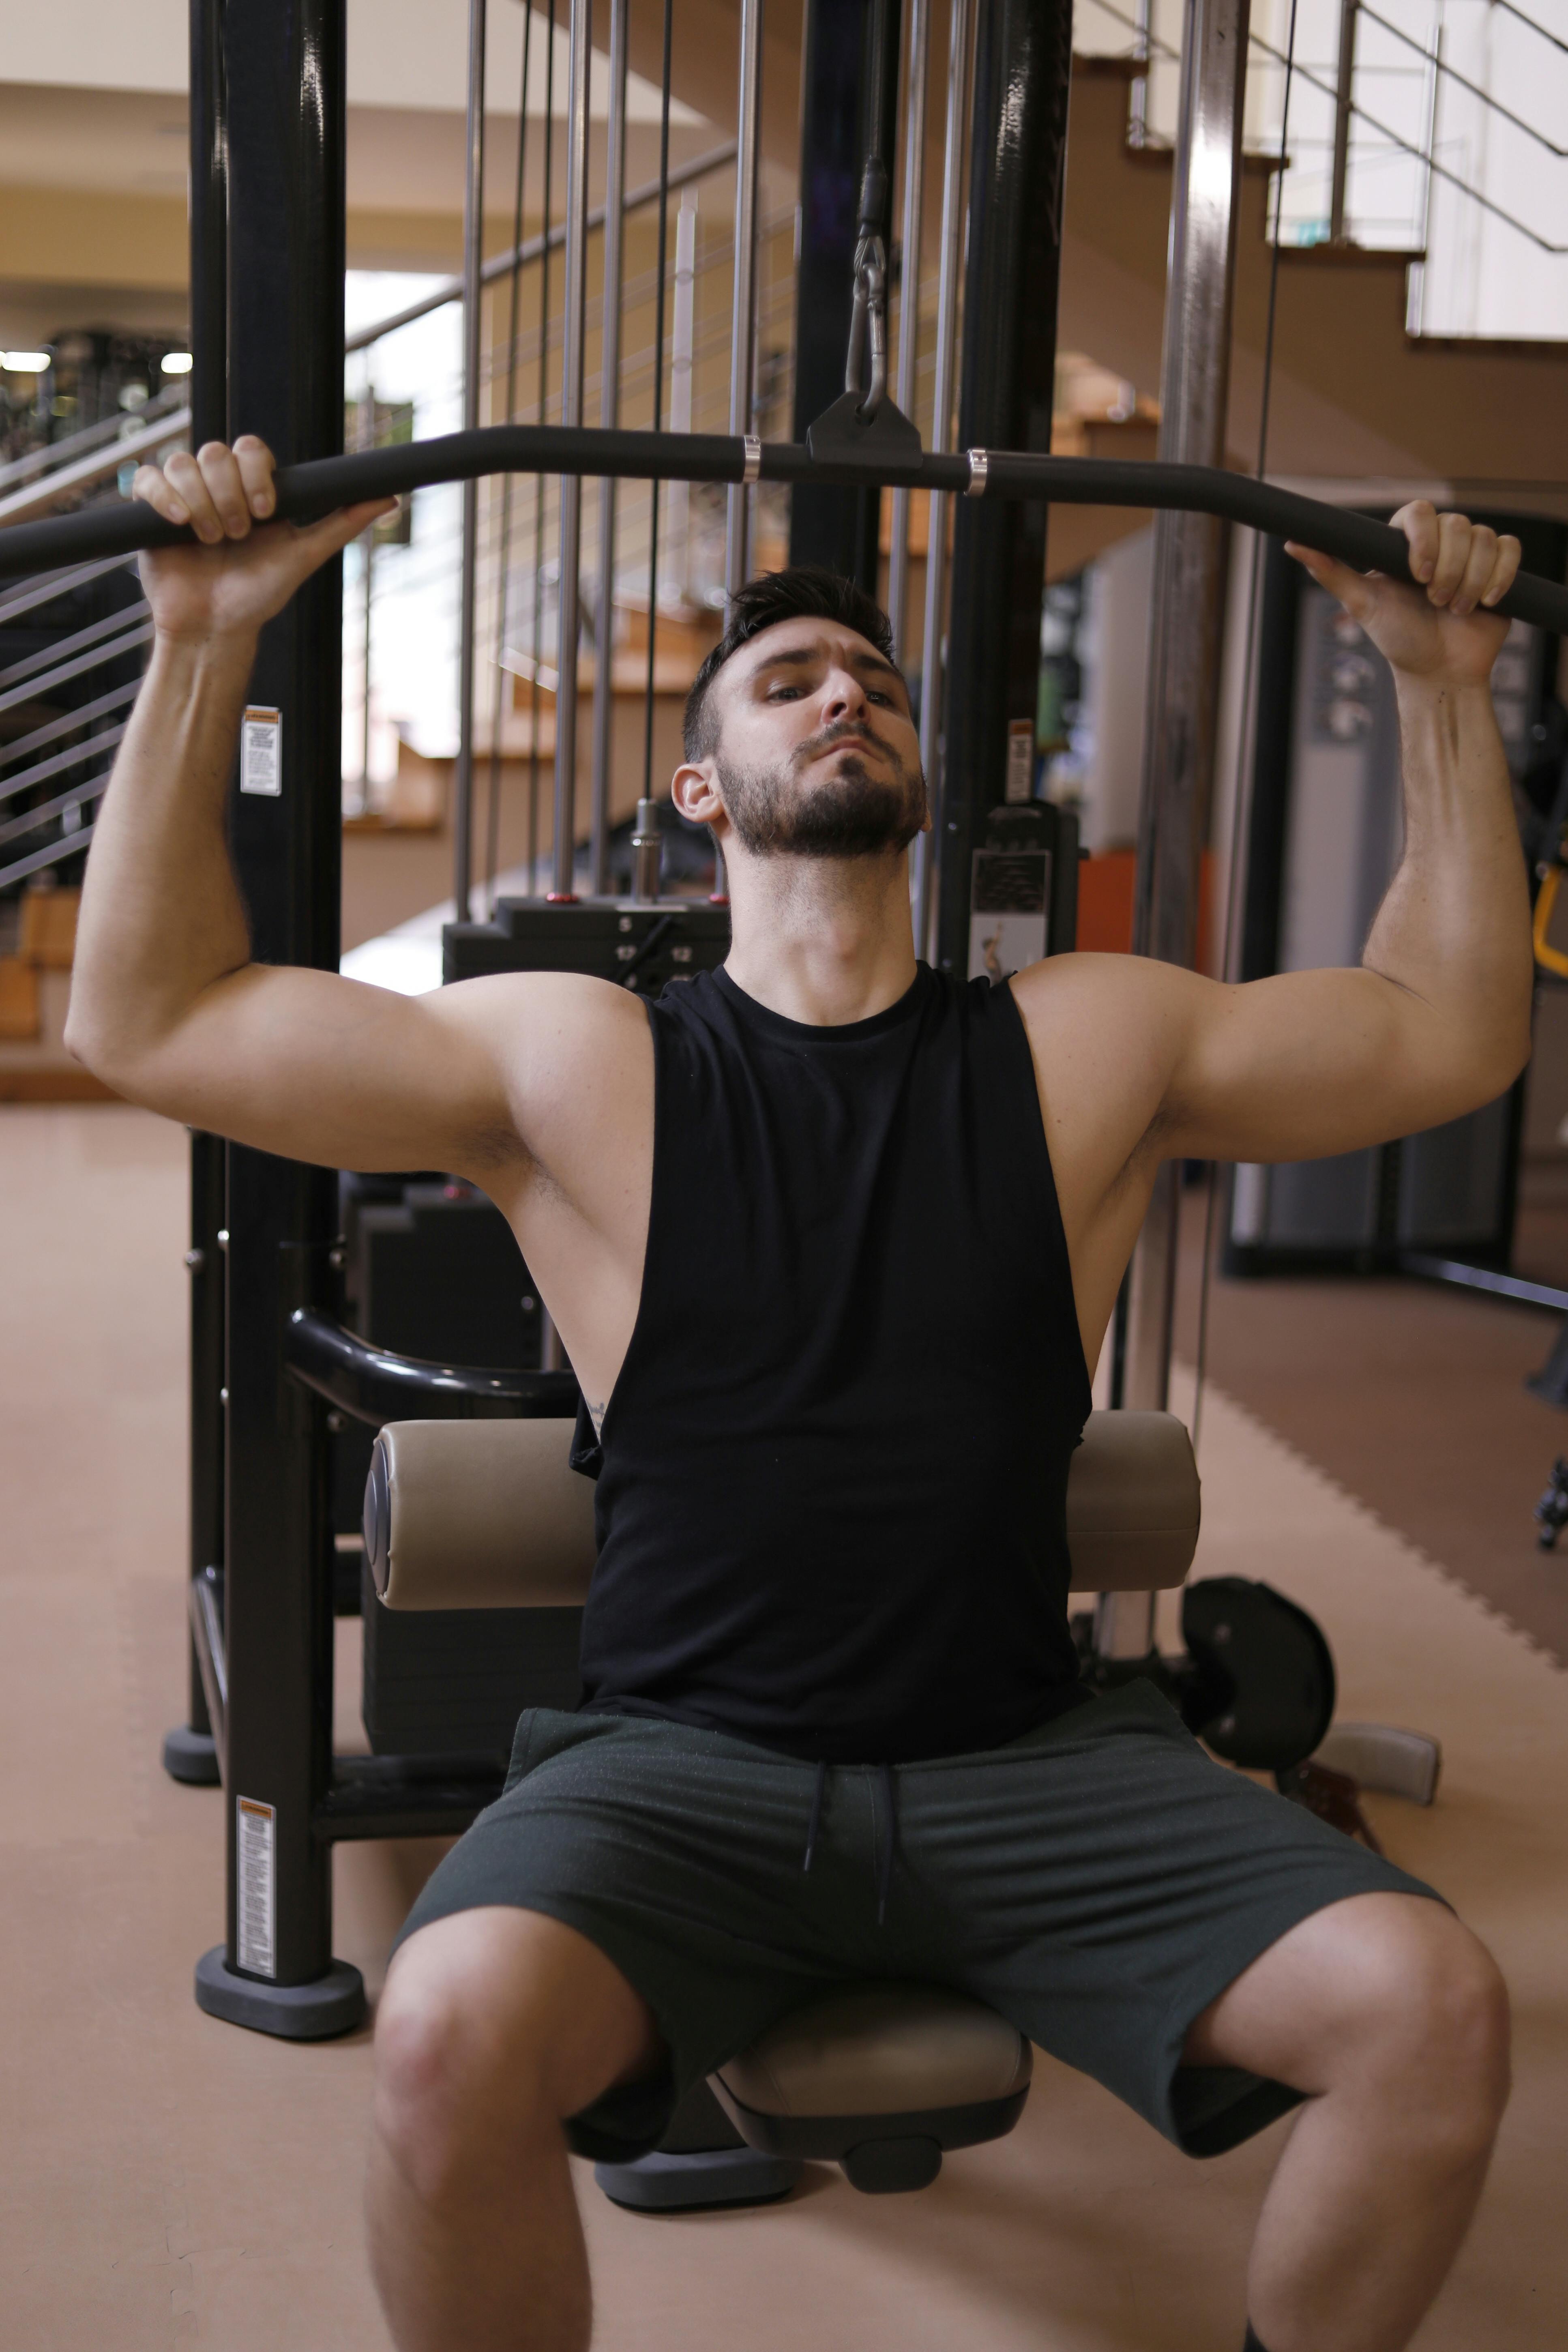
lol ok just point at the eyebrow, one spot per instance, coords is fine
(800, 656)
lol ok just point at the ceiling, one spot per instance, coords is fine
(400, 158)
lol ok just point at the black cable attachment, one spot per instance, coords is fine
(864, 422)
(868, 319)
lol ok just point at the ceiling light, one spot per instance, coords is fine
(25, 363)
(177, 363)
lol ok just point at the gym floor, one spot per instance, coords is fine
(167, 2181)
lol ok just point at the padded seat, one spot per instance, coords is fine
(880, 2078)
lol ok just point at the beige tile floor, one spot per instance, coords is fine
(167, 2181)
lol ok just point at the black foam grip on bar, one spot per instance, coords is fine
(317, 487)
(1354, 538)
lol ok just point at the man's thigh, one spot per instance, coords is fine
(1106, 1881)
(679, 1856)
(503, 1997)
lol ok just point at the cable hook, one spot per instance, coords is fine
(868, 318)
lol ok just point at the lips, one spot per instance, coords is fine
(836, 742)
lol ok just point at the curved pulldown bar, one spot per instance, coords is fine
(316, 488)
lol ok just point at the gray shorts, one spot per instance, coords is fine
(1098, 1882)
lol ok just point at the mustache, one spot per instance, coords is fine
(844, 730)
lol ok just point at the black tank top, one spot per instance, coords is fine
(832, 1476)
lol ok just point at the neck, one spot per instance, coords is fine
(821, 940)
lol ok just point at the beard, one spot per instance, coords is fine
(855, 813)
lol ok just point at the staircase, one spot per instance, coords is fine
(1356, 398)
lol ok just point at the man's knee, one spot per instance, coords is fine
(494, 2027)
(1434, 2013)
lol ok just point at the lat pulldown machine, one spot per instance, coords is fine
(271, 1360)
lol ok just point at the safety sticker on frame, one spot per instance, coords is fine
(257, 1888)
(261, 751)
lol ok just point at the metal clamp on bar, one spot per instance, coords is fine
(751, 469)
(979, 473)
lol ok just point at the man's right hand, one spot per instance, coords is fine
(246, 567)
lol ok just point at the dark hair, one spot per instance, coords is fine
(808, 592)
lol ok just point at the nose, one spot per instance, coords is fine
(843, 696)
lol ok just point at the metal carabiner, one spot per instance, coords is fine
(869, 326)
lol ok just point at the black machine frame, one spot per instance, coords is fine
(270, 1358)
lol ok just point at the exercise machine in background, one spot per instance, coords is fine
(1325, 836)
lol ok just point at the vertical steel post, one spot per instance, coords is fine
(1188, 594)
(682, 353)
(568, 608)
(473, 351)
(367, 594)
(931, 666)
(609, 417)
(1137, 95)
(1023, 61)
(285, 77)
(918, 32)
(743, 310)
(949, 273)
(188, 1750)
(1344, 87)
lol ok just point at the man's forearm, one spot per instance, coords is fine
(161, 915)
(1454, 928)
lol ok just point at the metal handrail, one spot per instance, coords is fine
(84, 471)
(50, 855)
(534, 249)
(12, 828)
(1438, 171)
(325, 483)
(1327, 88)
(104, 741)
(55, 727)
(91, 436)
(1509, 10)
(1453, 74)
(34, 689)
(95, 632)
(57, 583)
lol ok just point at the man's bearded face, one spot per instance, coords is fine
(862, 801)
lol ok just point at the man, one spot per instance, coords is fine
(831, 1244)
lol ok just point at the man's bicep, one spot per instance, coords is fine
(1308, 1063)
(317, 1068)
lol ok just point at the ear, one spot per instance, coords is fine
(695, 792)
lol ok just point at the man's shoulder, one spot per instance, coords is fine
(1084, 978)
(1101, 1005)
(567, 1001)
(548, 1026)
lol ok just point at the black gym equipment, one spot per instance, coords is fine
(273, 1364)
(1439, 1204)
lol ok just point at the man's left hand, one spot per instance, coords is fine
(1440, 630)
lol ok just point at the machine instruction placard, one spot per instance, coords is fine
(255, 1877)
(261, 751)
(1009, 905)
